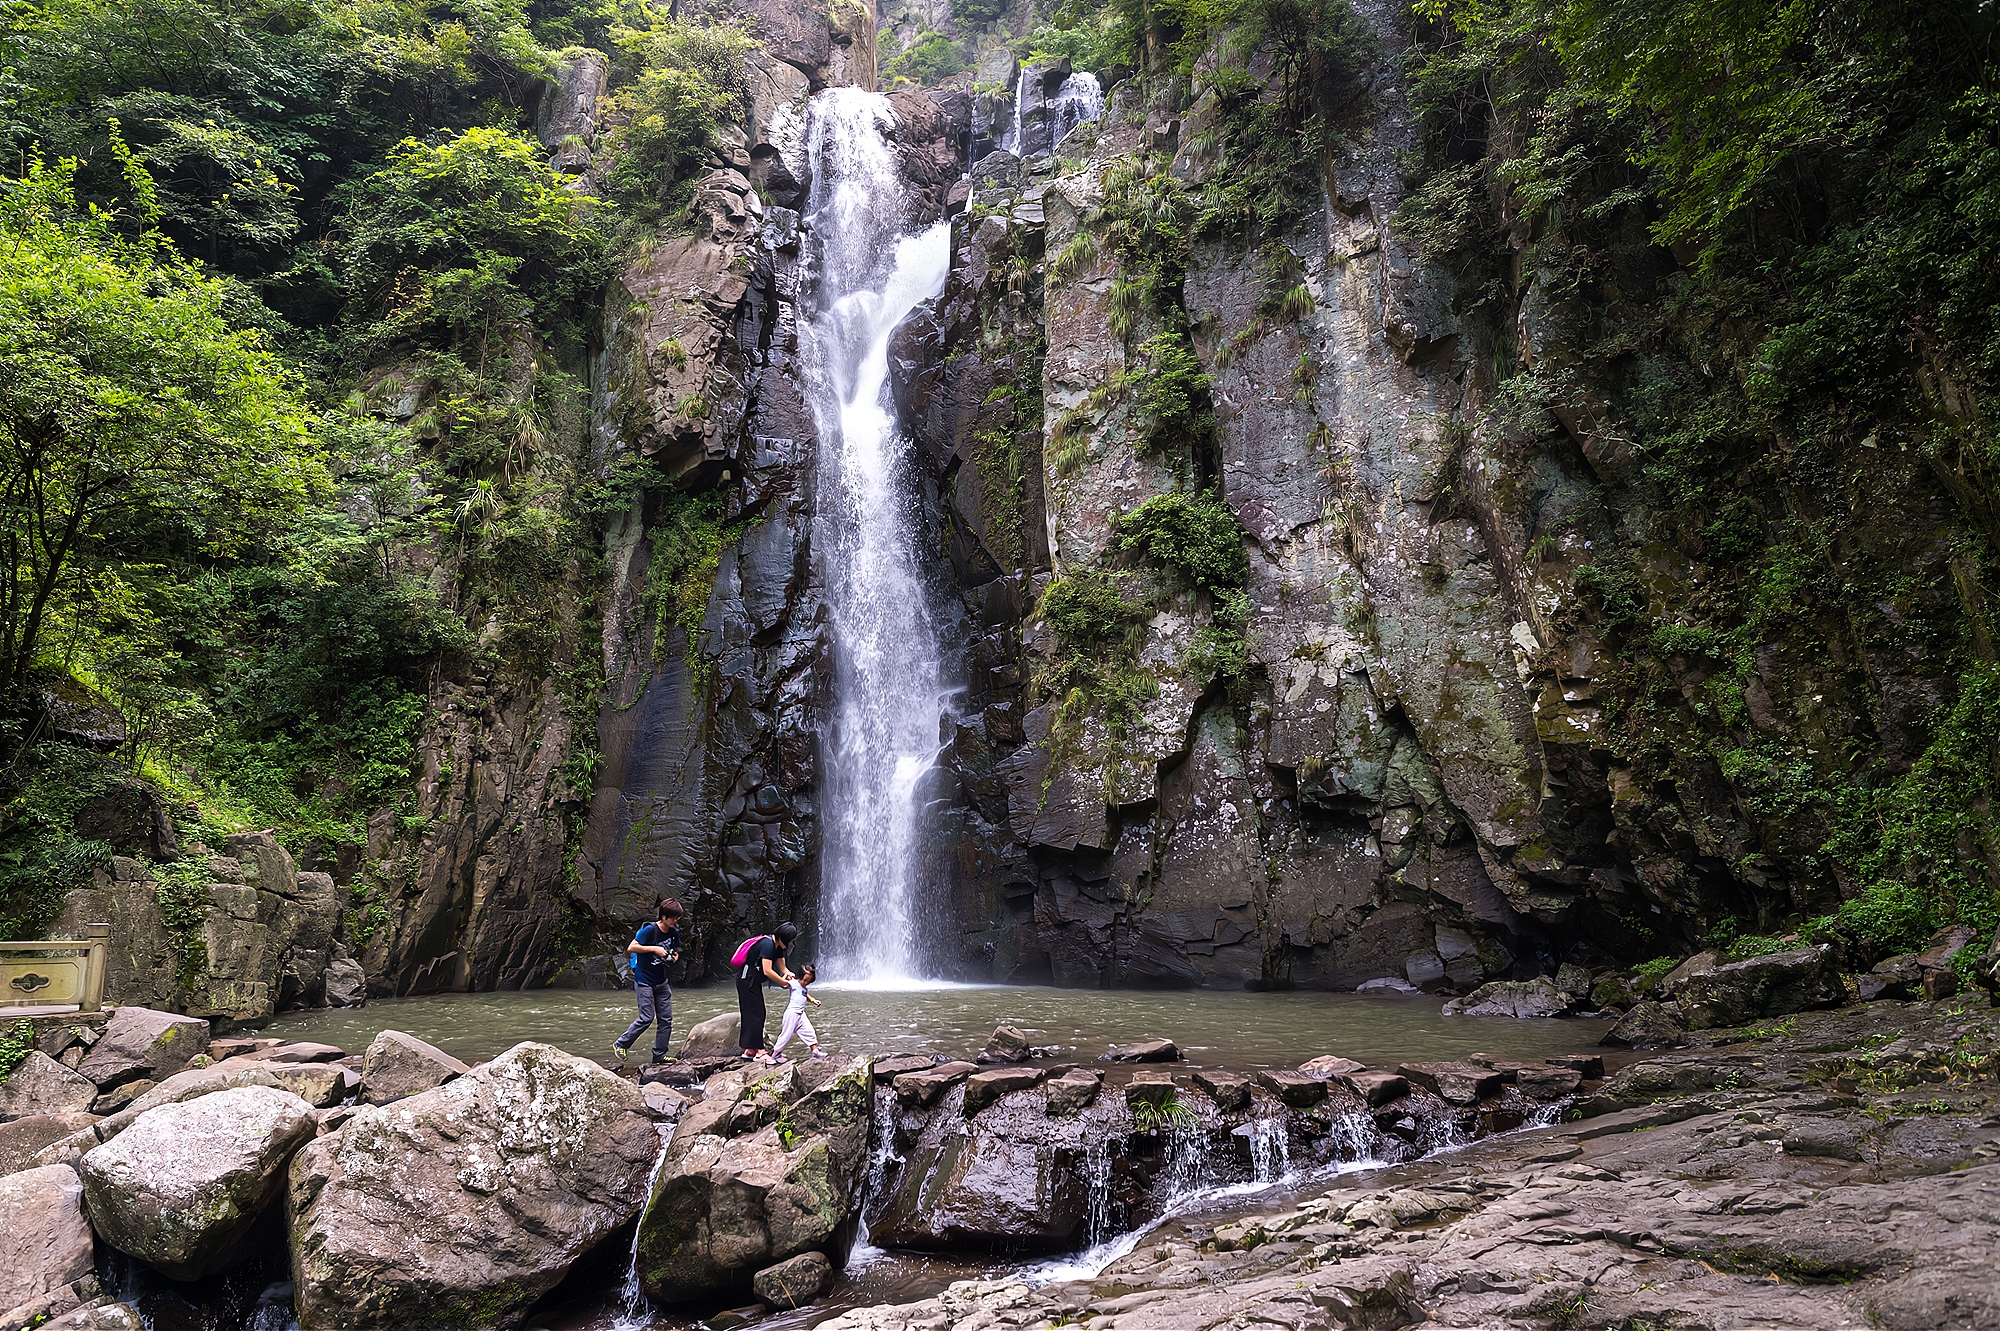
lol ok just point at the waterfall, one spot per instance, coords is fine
(1097, 1179)
(1079, 101)
(1012, 143)
(863, 276)
(632, 1303)
(1270, 1150)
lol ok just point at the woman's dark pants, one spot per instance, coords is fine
(750, 1001)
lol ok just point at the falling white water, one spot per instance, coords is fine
(1078, 101)
(864, 276)
(1270, 1150)
(633, 1307)
(1012, 143)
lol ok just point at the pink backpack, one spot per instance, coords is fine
(743, 949)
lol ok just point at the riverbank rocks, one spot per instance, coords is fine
(1648, 1025)
(24, 1138)
(1539, 997)
(139, 1043)
(45, 1240)
(1152, 1088)
(40, 1085)
(1144, 1051)
(921, 1090)
(184, 1187)
(1000, 1181)
(1073, 1092)
(1768, 986)
(1454, 1083)
(399, 1065)
(717, 1037)
(1008, 1045)
(1296, 1089)
(1328, 1066)
(725, 1208)
(1229, 1091)
(462, 1205)
(982, 1089)
(1375, 1088)
(795, 1282)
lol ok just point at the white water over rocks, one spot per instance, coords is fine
(864, 277)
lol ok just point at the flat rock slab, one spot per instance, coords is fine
(305, 1051)
(1073, 1092)
(1229, 1091)
(921, 1090)
(895, 1065)
(42, 1086)
(982, 1089)
(1454, 1083)
(688, 1071)
(1152, 1088)
(1293, 1088)
(1328, 1066)
(1547, 1083)
(139, 1042)
(399, 1065)
(45, 1240)
(186, 1184)
(1591, 1066)
(1145, 1051)
(1377, 1088)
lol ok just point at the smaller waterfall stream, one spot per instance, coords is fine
(634, 1309)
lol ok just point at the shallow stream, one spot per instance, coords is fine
(1214, 1028)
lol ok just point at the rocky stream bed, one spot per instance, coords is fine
(1820, 1169)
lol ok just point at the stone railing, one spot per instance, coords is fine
(54, 972)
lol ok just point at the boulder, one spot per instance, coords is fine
(1145, 1051)
(1328, 1066)
(1573, 980)
(1229, 1091)
(1546, 1083)
(1588, 1066)
(1015, 1181)
(1701, 963)
(1648, 1025)
(1769, 986)
(1008, 1045)
(45, 1241)
(1454, 1083)
(304, 1051)
(1151, 1088)
(921, 1090)
(466, 1203)
(715, 1038)
(1892, 977)
(982, 1089)
(118, 1097)
(99, 1317)
(1296, 1089)
(40, 1085)
(141, 1043)
(22, 1139)
(1539, 997)
(346, 983)
(185, 1186)
(399, 1065)
(1375, 1088)
(1832, 1138)
(794, 1282)
(1073, 1092)
(724, 1209)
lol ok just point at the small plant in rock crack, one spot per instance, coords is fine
(1174, 1114)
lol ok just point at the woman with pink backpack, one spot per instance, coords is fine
(759, 961)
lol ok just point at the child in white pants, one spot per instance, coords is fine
(796, 1021)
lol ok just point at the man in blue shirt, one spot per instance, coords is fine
(651, 949)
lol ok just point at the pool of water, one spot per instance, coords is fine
(1214, 1028)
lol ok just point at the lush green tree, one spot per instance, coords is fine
(138, 424)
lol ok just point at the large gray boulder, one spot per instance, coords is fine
(320, 1085)
(45, 1241)
(184, 1187)
(1770, 986)
(727, 1207)
(715, 1037)
(1539, 997)
(463, 1205)
(40, 1085)
(140, 1043)
(399, 1065)
(346, 983)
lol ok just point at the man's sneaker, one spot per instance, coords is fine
(618, 1053)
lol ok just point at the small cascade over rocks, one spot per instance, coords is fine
(1044, 118)
(863, 276)
(1079, 101)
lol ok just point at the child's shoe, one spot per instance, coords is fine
(819, 1053)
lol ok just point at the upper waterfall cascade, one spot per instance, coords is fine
(864, 276)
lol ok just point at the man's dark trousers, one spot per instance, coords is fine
(654, 1000)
